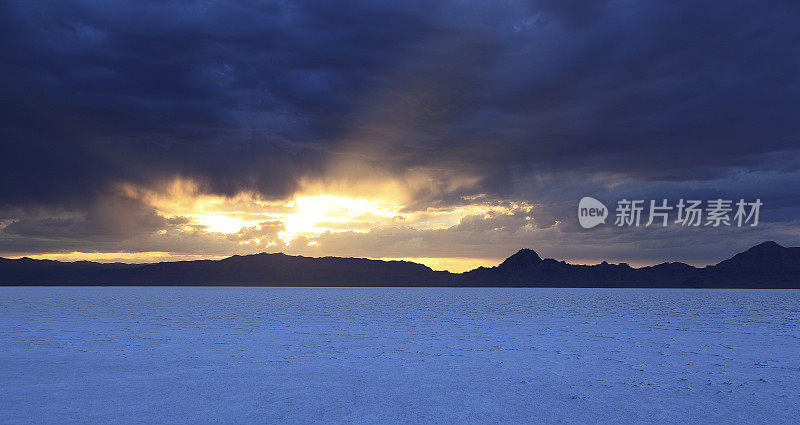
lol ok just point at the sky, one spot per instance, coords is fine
(452, 133)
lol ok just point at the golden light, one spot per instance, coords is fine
(218, 214)
(316, 209)
(126, 257)
(313, 215)
(451, 264)
(257, 225)
(222, 223)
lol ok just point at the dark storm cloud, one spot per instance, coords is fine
(107, 218)
(255, 95)
(654, 91)
(533, 99)
(236, 95)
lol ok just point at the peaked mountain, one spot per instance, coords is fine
(526, 268)
(767, 265)
(765, 262)
(523, 259)
(766, 257)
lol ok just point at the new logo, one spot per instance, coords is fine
(591, 212)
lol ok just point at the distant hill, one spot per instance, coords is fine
(258, 269)
(767, 265)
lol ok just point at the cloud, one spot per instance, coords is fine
(108, 218)
(537, 102)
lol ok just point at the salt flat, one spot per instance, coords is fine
(398, 355)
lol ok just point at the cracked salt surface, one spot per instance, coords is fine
(398, 355)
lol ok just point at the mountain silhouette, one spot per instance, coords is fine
(765, 261)
(767, 265)
(523, 259)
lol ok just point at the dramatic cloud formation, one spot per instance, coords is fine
(189, 129)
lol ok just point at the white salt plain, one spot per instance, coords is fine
(127, 355)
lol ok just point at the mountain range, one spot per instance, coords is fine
(767, 265)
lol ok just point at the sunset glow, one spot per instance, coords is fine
(312, 215)
(133, 135)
